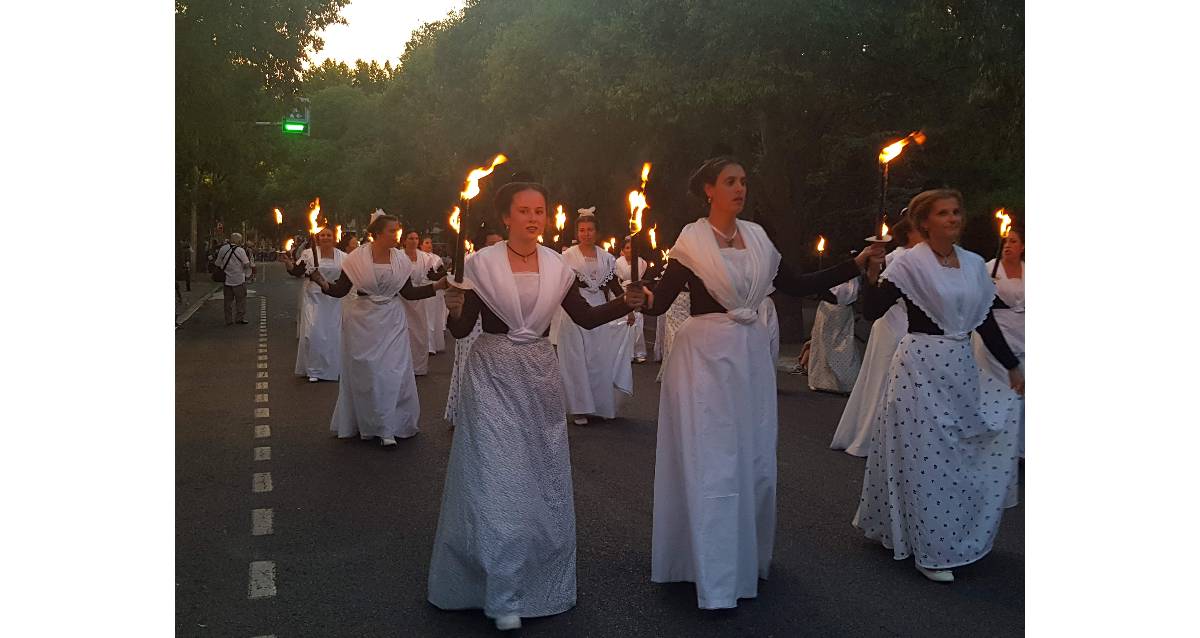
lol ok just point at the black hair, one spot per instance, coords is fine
(376, 227)
(708, 172)
(504, 196)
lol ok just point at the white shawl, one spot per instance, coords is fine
(956, 299)
(605, 267)
(697, 249)
(490, 276)
(846, 293)
(336, 262)
(623, 270)
(360, 268)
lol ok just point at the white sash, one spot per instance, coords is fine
(956, 299)
(697, 249)
(490, 276)
(359, 266)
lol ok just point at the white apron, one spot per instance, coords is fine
(436, 313)
(319, 350)
(377, 395)
(1012, 325)
(834, 360)
(638, 332)
(417, 315)
(715, 463)
(595, 364)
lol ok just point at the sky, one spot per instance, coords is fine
(378, 29)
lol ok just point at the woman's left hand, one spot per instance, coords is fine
(1016, 381)
(441, 284)
(874, 251)
(635, 297)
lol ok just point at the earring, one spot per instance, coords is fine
(709, 199)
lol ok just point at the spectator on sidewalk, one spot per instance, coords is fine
(236, 264)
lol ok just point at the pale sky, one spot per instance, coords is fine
(379, 29)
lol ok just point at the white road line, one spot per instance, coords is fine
(260, 385)
(262, 365)
(262, 482)
(262, 579)
(262, 357)
(262, 413)
(260, 398)
(262, 453)
(260, 375)
(262, 431)
(262, 522)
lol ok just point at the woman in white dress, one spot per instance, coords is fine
(462, 347)
(319, 350)
(416, 312)
(833, 359)
(1010, 288)
(624, 271)
(854, 429)
(377, 396)
(715, 464)
(435, 308)
(942, 462)
(505, 539)
(595, 364)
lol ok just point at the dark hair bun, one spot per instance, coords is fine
(707, 174)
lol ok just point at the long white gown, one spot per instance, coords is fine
(1012, 323)
(854, 428)
(942, 463)
(834, 360)
(595, 364)
(671, 322)
(638, 332)
(435, 309)
(377, 395)
(505, 539)
(319, 350)
(417, 315)
(715, 465)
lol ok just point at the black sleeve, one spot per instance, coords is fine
(415, 293)
(674, 278)
(993, 338)
(788, 282)
(298, 270)
(465, 323)
(878, 299)
(614, 286)
(588, 316)
(998, 304)
(341, 287)
(827, 296)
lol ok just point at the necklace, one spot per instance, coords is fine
(727, 238)
(943, 259)
(524, 258)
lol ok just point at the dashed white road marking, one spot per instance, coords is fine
(262, 579)
(262, 453)
(260, 375)
(262, 365)
(262, 413)
(260, 385)
(260, 398)
(262, 431)
(262, 522)
(262, 357)
(262, 482)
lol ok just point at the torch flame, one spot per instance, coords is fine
(645, 174)
(653, 239)
(883, 230)
(472, 187)
(637, 203)
(287, 245)
(1005, 222)
(313, 213)
(470, 246)
(821, 244)
(338, 237)
(278, 216)
(892, 151)
(666, 255)
(455, 217)
(556, 239)
(560, 220)
(541, 239)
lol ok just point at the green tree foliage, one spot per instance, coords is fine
(580, 92)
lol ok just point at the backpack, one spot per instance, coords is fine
(218, 273)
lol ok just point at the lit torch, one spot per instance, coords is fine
(470, 190)
(889, 153)
(560, 222)
(338, 234)
(637, 206)
(1005, 225)
(287, 245)
(313, 229)
(278, 222)
(456, 226)
(820, 250)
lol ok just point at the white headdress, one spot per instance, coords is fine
(587, 212)
(375, 215)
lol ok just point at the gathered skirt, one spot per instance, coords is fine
(377, 395)
(505, 539)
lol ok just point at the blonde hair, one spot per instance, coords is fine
(921, 206)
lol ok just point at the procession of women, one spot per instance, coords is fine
(544, 337)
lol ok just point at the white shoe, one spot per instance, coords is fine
(505, 623)
(937, 575)
(313, 379)
(580, 420)
(387, 440)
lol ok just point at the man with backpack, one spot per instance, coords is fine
(229, 267)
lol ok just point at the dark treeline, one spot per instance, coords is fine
(580, 92)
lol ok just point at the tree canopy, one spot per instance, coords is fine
(580, 92)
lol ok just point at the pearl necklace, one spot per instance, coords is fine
(727, 238)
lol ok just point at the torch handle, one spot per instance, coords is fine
(312, 243)
(460, 248)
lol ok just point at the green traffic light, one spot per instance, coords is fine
(294, 127)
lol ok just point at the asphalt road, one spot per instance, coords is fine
(352, 524)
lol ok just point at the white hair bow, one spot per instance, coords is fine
(587, 212)
(375, 215)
